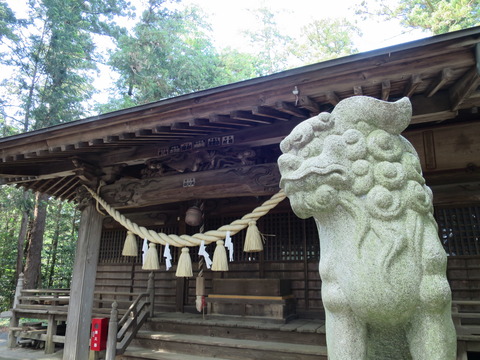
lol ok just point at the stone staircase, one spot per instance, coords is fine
(175, 336)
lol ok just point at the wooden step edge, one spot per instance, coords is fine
(468, 337)
(138, 352)
(235, 343)
(316, 327)
(465, 315)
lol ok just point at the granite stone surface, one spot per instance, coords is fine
(382, 265)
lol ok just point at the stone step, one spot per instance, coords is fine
(225, 348)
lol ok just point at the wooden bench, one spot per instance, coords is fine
(268, 299)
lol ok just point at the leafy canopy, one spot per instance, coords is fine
(436, 16)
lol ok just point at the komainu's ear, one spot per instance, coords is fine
(393, 117)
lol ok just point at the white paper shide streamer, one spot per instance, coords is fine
(144, 250)
(202, 251)
(229, 245)
(168, 257)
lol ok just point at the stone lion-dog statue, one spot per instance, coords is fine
(382, 264)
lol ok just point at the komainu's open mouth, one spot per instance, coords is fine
(336, 170)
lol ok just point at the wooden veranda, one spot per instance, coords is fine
(217, 149)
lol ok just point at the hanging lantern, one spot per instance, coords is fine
(193, 217)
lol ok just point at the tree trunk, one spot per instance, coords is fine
(56, 235)
(22, 235)
(34, 254)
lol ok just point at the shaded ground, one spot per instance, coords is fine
(22, 353)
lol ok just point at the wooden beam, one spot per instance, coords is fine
(251, 117)
(464, 87)
(308, 103)
(456, 194)
(332, 98)
(67, 147)
(48, 171)
(225, 119)
(252, 136)
(270, 112)
(414, 83)
(432, 109)
(429, 150)
(292, 109)
(46, 185)
(357, 90)
(167, 132)
(444, 77)
(69, 189)
(183, 127)
(436, 117)
(95, 142)
(386, 89)
(213, 127)
(68, 185)
(253, 180)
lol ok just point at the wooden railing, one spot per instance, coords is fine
(52, 304)
(466, 317)
(122, 332)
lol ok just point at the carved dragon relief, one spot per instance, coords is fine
(200, 160)
(262, 175)
(233, 164)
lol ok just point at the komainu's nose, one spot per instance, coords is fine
(288, 162)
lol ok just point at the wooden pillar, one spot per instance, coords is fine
(51, 332)
(83, 283)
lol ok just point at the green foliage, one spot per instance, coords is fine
(269, 42)
(436, 16)
(12, 203)
(236, 66)
(7, 22)
(326, 39)
(57, 260)
(60, 240)
(5, 128)
(52, 56)
(168, 53)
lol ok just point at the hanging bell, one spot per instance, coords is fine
(193, 216)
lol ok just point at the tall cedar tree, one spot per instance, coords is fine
(168, 54)
(52, 54)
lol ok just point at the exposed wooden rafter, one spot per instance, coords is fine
(251, 117)
(464, 87)
(413, 84)
(291, 109)
(309, 104)
(386, 87)
(445, 76)
(332, 98)
(271, 113)
(357, 90)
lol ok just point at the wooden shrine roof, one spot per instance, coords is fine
(439, 74)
